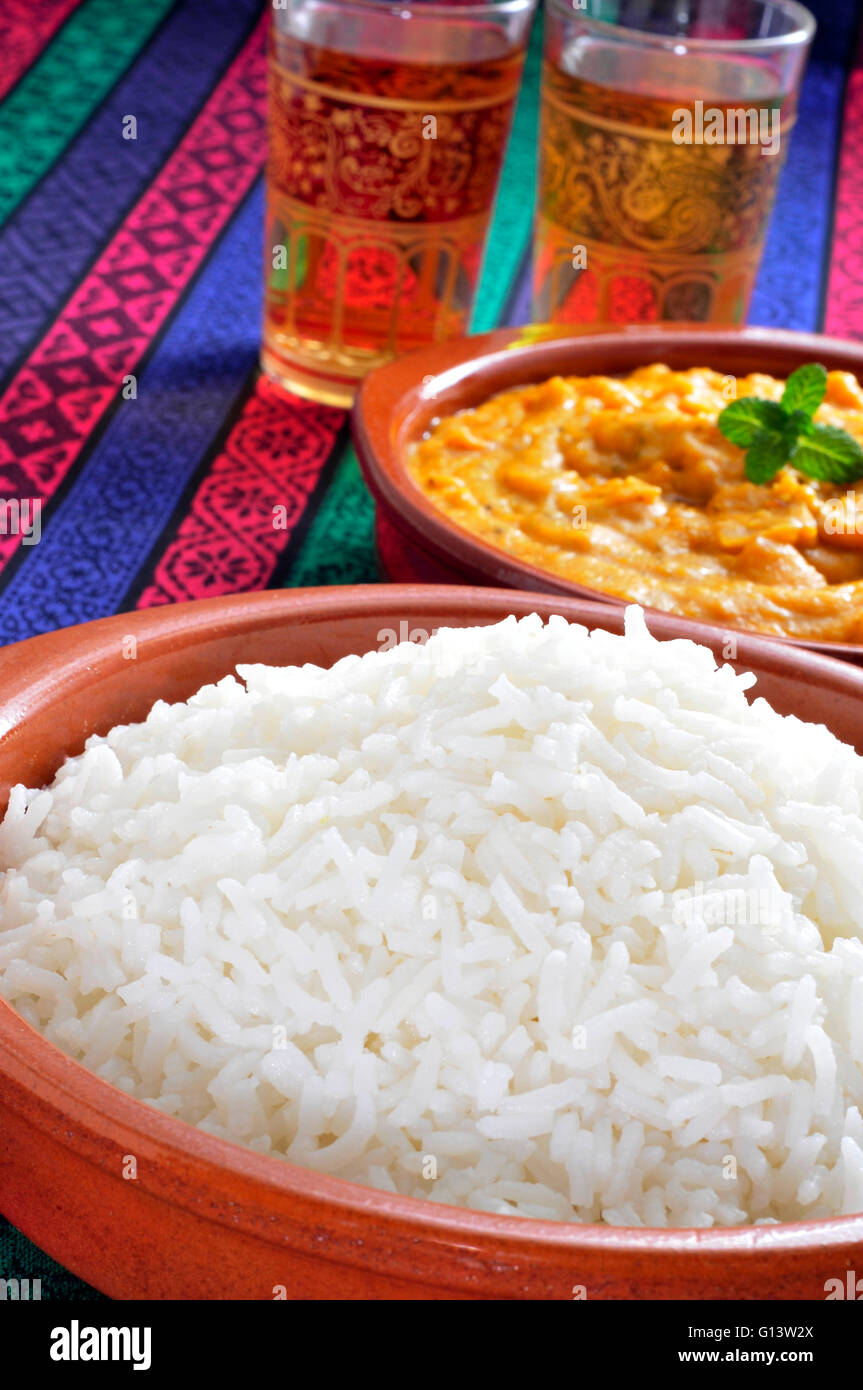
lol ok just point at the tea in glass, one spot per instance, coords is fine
(387, 132)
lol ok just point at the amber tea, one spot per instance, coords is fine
(658, 166)
(386, 141)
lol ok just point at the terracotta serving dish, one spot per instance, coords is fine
(396, 403)
(208, 1219)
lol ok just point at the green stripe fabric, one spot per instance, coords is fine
(44, 112)
(339, 546)
(20, 1260)
(512, 224)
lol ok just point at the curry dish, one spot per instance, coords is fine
(626, 485)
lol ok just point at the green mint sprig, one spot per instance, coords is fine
(776, 433)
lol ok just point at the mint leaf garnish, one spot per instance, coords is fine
(766, 456)
(805, 389)
(828, 453)
(743, 420)
(776, 433)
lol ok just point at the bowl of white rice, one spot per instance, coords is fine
(431, 942)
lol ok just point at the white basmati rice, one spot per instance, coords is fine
(525, 919)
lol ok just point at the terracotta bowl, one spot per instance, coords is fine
(417, 542)
(208, 1219)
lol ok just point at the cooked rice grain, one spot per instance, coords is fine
(525, 919)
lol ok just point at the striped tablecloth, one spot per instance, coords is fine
(143, 257)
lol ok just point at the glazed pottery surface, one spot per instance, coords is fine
(398, 402)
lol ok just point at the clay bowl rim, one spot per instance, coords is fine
(214, 1176)
(396, 401)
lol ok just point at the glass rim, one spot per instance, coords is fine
(800, 35)
(405, 9)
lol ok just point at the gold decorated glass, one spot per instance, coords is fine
(388, 125)
(663, 131)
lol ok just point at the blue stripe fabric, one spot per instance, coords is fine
(518, 308)
(46, 247)
(100, 534)
(789, 286)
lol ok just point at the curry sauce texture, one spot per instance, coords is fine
(626, 485)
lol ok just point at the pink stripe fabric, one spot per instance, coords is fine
(76, 372)
(26, 27)
(843, 314)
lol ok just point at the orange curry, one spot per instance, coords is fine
(626, 485)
